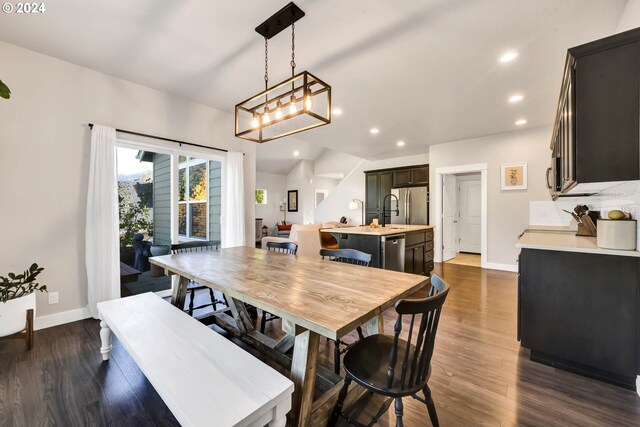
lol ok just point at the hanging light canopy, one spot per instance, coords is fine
(299, 103)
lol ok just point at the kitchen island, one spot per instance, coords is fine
(579, 305)
(399, 247)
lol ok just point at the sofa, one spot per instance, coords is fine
(306, 236)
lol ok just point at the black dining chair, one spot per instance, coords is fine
(285, 248)
(198, 246)
(393, 367)
(348, 256)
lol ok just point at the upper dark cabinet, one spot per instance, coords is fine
(596, 137)
(411, 177)
(378, 184)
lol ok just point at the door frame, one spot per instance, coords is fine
(452, 170)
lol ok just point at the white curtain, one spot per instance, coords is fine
(233, 230)
(102, 241)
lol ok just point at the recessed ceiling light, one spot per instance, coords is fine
(521, 122)
(516, 98)
(400, 143)
(296, 153)
(337, 111)
(374, 131)
(508, 56)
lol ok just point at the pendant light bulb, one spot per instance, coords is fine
(292, 106)
(265, 117)
(308, 102)
(255, 123)
(279, 111)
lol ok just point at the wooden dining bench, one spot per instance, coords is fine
(202, 377)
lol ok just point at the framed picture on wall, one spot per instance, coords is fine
(513, 176)
(292, 198)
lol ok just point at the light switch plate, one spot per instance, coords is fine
(53, 297)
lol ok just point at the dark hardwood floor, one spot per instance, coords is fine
(481, 376)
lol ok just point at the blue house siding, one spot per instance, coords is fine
(215, 200)
(162, 199)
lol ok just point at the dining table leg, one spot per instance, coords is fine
(179, 294)
(303, 375)
(375, 325)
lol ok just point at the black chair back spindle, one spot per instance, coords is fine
(417, 358)
(195, 246)
(348, 256)
(198, 246)
(283, 247)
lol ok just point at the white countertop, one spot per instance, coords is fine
(380, 231)
(563, 239)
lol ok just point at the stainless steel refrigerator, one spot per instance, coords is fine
(412, 205)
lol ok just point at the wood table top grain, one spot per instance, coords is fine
(326, 297)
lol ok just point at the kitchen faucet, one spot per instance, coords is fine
(384, 205)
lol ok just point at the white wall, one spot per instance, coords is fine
(276, 194)
(630, 17)
(353, 187)
(44, 156)
(333, 163)
(301, 178)
(508, 211)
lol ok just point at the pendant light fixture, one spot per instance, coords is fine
(299, 103)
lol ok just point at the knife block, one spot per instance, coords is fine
(586, 227)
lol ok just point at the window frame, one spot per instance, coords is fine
(186, 166)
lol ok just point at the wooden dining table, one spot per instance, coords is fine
(314, 298)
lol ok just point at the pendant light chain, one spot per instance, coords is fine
(293, 49)
(266, 63)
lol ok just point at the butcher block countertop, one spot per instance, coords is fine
(564, 239)
(380, 231)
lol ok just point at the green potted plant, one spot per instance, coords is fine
(17, 296)
(4, 91)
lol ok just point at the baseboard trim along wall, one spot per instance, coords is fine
(61, 318)
(499, 266)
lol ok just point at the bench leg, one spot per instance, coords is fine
(105, 337)
(280, 422)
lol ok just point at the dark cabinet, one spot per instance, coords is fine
(607, 107)
(418, 253)
(579, 312)
(411, 177)
(596, 136)
(378, 185)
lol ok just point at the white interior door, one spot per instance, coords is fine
(449, 220)
(469, 216)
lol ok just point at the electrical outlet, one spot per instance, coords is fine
(53, 297)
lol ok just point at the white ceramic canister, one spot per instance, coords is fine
(617, 234)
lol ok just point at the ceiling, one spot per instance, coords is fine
(425, 72)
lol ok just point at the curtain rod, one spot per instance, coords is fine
(166, 139)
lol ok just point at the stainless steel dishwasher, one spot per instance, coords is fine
(392, 249)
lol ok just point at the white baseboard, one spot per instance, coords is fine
(499, 266)
(43, 322)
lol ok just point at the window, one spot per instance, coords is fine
(261, 197)
(192, 197)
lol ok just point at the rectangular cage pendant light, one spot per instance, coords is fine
(297, 104)
(294, 105)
